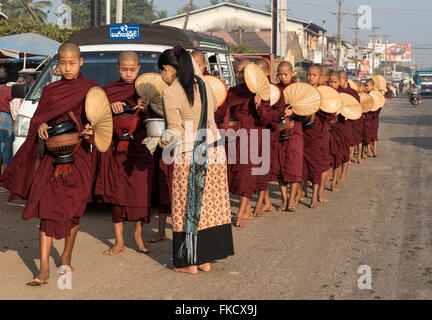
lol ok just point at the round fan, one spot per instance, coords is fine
(275, 94)
(379, 100)
(256, 81)
(219, 88)
(380, 83)
(353, 85)
(352, 109)
(98, 112)
(303, 98)
(331, 101)
(366, 102)
(151, 86)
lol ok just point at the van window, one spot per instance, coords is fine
(99, 66)
(220, 66)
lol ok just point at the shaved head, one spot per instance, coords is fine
(263, 65)
(199, 58)
(239, 70)
(69, 47)
(325, 71)
(242, 63)
(197, 54)
(343, 75)
(129, 56)
(286, 64)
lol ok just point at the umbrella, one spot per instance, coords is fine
(29, 44)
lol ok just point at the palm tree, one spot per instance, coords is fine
(16, 8)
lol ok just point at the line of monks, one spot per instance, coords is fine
(318, 152)
(129, 180)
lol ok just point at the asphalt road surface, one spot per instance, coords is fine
(381, 219)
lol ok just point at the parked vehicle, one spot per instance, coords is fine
(100, 47)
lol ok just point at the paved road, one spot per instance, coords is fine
(381, 218)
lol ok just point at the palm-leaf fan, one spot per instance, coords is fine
(379, 100)
(352, 109)
(366, 102)
(256, 81)
(353, 85)
(380, 83)
(98, 112)
(220, 90)
(151, 86)
(275, 94)
(331, 101)
(303, 98)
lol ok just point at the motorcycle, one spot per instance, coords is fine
(415, 98)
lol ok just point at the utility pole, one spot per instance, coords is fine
(339, 14)
(282, 19)
(323, 60)
(119, 11)
(274, 9)
(357, 43)
(187, 14)
(385, 56)
(108, 12)
(373, 37)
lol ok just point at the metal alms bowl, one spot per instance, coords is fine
(155, 127)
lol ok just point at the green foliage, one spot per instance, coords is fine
(17, 26)
(242, 48)
(184, 9)
(300, 76)
(16, 9)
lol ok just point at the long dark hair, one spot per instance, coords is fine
(180, 60)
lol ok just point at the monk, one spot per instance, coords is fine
(339, 142)
(269, 118)
(325, 76)
(288, 167)
(125, 173)
(368, 124)
(344, 87)
(57, 194)
(357, 127)
(316, 146)
(201, 61)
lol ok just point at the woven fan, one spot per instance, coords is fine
(379, 100)
(220, 90)
(366, 102)
(380, 83)
(257, 81)
(331, 101)
(98, 112)
(303, 98)
(151, 86)
(275, 94)
(352, 109)
(353, 85)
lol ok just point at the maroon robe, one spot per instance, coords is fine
(357, 125)
(316, 151)
(240, 179)
(124, 180)
(58, 202)
(375, 124)
(288, 166)
(368, 128)
(339, 144)
(5, 98)
(347, 126)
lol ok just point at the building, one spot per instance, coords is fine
(252, 23)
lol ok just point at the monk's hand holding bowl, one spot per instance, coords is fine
(143, 104)
(117, 107)
(88, 131)
(288, 112)
(42, 131)
(257, 100)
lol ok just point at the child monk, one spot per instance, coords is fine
(316, 159)
(289, 164)
(368, 124)
(56, 194)
(124, 176)
(325, 76)
(240, 179)
(201, 61)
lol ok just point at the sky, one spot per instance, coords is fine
(404, 21)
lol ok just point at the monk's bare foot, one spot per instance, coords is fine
(114, 250)
(206, 267)
(248, 214)
(239, 222)
(140, 243)
(341, 181)
(314, 206)
(258, 214)
(42, 278)
(291, 209)
(267, 208)
(308, 183)
(190, 269)
(359, 161)
(375, 155)
(158, 237)
(323, 200)
(282, 207)
(66, 265)
(335, 189)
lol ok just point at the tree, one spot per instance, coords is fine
(161, 14)
(242, 48)
(184, 9)
(49, 30)
(16, 9)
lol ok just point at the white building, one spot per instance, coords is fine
(231, 17)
